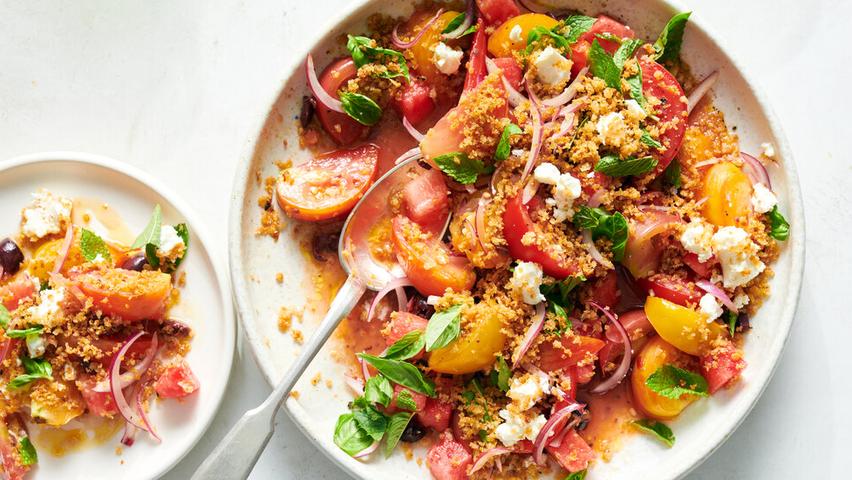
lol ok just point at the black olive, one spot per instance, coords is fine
(324, 244)
(413, 432)
(420, 308)
(307, 113)
(175, 328)
(11, 256)
(136, 263)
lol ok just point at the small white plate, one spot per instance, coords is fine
(205, 304)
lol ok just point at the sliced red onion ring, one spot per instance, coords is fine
(707, 163)
(487, 455)
(129, 436)
(365, 370)
(717, 292)
(480, 221)
(514, 96)
(596, 254)
(549, 430)
(320, 94)
(537, 133)
(755, 170)
(622, 369)
(396, 283)
(468, 21)
(357, 385)
(64, 249)
(411, 130)
(134, 373)
(568, 94)
(399, 43)
(126, 411)
(140, 408)
(529, 191)
(408, 155)
(529, 337)
(699, 91)
(363, 453)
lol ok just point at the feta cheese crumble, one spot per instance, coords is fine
(611, 128)
(551, 67)
(515, 34)
(527, 390)
(171, 245)
(710, 307)
(697, 238)
(762, 200)
(47, 309)
(516, 427)
(526, 280)
(566, 189)
(741, 300)
(547, 173)
(447, 59)
(738, 256)
(635, 110)
(36, 345)
(47, 214)
(767, 150)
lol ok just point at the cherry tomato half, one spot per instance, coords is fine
(342, 128)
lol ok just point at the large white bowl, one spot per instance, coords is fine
(256, 260)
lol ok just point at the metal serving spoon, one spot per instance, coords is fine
(235, 456)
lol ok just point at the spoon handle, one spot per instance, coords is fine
(235, 455)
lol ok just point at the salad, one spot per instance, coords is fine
(607, 240)
(87, 340)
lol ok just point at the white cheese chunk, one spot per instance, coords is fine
(762, 199)
(551, 67)
(738, 256)
(526, 280)
(697, 238)
(635, 110)
(447, 59)
(547, 173)
(517, 427)
(48, 214)
(710, 307)
(612, 128)
(767, 150)
(48, 310)
(171, 245)
(516, 34)
(527, 390)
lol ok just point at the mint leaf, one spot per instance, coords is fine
(361, 107)
(501, 374)
(363, 52)
(456, 23)
(615, 167)
(151, 234)
(28, 453)
(603, 66)
(183, 232)
(779, 229)
(406, 347)
(405, 401)
(5, 317)
(650, 141)
(602, 224)
(581, 475)
(378, 390)
(577, 26)
(35, 369)
(371, 421)
(673, 382)
(625, 51)
(504, 146)
(667, 46)
(460, 168)
(657, 429)
(671, 175)
(538, 32)
(443, 328)
(92, 246)
(396, 426)
(350, 437)
(635, 84)
(23, 333)
(402, 373)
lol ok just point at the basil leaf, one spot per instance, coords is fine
(667, 46)
(92, 246)
(603, 66)
(501, 374)
(625, 51)
(647, 139)
(406, 347)
(577, 26)
(615, 167)
(405, 401)
(504, 146)
(5, 317)
(151, 234)
(671, 175)
(378, 390)
(460, 168)
(581, 475)
(35, 368)
(349, 437)
(602, 224)
(402, 373)
(23, 333)
(361, 107)
(658, 429)
(673, 382)
(443, 328)
(396, 426)
(183, 232)
(363, 52)
(536, 34)
(371, 421)
(779, 229)
(29, 455)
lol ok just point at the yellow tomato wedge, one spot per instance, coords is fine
(500, 44)
(654, 355)
(685, 328)
(423, 51)
(728, 191)
(474, 350)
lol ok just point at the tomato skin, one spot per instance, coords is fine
(16, 291)
(516, 223)
(426, 199)
(177, 382)
(476, 68)
(342, 128)
(474, 350)
(670, 288)
(436, 414)
(728, 191)
(414, 101)
(658, 82)
(654, 355)
(684, 328)
(422, 52)
(448, 459)
(603, 24)
(126, 294)
(579, 348)
(722, 366)
(303, 193)
(702, 269)
(402, 324)
(511, 70)
(573, 454)
(605, 290)
(497, 11)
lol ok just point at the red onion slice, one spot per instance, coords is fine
(537, 133)
(529, 337)
(411, 130)
(129, 436)
(622, 369)
(514, 96)
(468, 21)
(140, 408)
(363, 453)
(323, 97)
(699, 91)
(487, 455)
(755, 170)
(64, 249)
(408, 155)
(549, 430)
(365, 370)
(480, 222)
(596, 254)
(399, 43)
(133, 374)
(396, 283)
(568, 94)
(529, 191)
(126, 411)
(717, 292)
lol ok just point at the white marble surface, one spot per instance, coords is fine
(174, 87)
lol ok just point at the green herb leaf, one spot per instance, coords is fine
(671, 175)
(635, 84)
(667, 46)
(581, 475)
(28, 453)
(615, 167)
(361, 107)
(732, 322)
(151, 255)
(456, 23)
(647, 139)
(603, 66)
(378, 390)
(483, 435)
(402, 373)
(406, 347)
(5, 317)
(499, 376)
(35, 369)
(779, 229)
(673, 382)
(504, 146)
(460, 168)
(405, 401)
(658, 429)
(538, 32)
(23, 333)
(443, 328)
(350, 437)
(363, 52)
(183, 232)
(371, 421)
(92, 246)
(396, 426)
(625, 52)
(151, 234)
(560, 299)
(577, 25)
(602, 224)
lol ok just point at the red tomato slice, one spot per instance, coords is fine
(427, 262)
(13, 293)
(98, 403)
(126, 294)
(402, 324)
(516, 223)
(9, 456)
(659, 83)
(670, 288)
(426, 199)
(177, 382)
(603, 24)
(579, 349)
(436, 414)
(342, 128)
(476, 69)
(605, 290)
(702, 269)
(328, 186)
(448, 459)
(496, 12)
(573, 454)
(414, 101)
(524, 446)
(511, 70)
(722, 366)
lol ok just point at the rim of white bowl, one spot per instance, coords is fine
(198, 229)
(690, 461)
